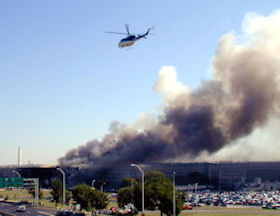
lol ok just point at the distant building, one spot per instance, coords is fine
(221, 176)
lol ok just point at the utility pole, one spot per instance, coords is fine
(196, 197)
(143, 185)
(101, 188)
(37, 191)
(18, 189)
(33, 182)
(63, 185)
(174, 195)
(92, 184)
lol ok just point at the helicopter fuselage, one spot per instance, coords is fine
(128, 41)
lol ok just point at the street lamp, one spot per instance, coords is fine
(101, 188)
(142, 171)
(196, 200)
(63, 184)
(174, 195)
(14, 171)
(92, 183)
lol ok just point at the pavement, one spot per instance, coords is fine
(10, 210)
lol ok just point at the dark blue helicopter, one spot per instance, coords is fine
(131, 38)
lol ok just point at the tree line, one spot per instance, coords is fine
(158, 194)
(82, 194)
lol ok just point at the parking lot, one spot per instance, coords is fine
(266, 200)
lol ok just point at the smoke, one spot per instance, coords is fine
(168, 86)
(241, 98)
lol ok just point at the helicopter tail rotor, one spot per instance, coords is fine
(149, 29)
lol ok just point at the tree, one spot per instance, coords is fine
(126, 182)
(57, 192)
(158, 193)
(32, 192)
(154, 174)
(125, 196)
(99, 200)
(89, 198)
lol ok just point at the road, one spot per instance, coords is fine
(10, 210)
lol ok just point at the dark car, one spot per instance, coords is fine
(79, 214)
(64, 213)
(24, 202)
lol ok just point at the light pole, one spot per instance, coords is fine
(92, 184)
(143, 184)
(14, 171)
(101, 188)
(196, 196)
(63, 185)
(174, 195)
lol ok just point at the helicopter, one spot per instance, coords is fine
(131, 38)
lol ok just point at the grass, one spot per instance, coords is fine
(15, 194)
(221, 212)
(226, 214)
(22, 194)
(216, 211)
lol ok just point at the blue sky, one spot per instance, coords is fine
(63, 80)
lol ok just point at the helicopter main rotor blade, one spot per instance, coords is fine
(127, 29)
(116, 33)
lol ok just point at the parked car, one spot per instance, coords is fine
(187, 207)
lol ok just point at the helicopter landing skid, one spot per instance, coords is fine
(128, 48)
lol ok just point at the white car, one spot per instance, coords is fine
(21, 208)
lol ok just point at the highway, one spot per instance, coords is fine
(10, 210)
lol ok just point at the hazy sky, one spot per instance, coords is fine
(63, 80)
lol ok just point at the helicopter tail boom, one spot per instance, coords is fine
(144, 35)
